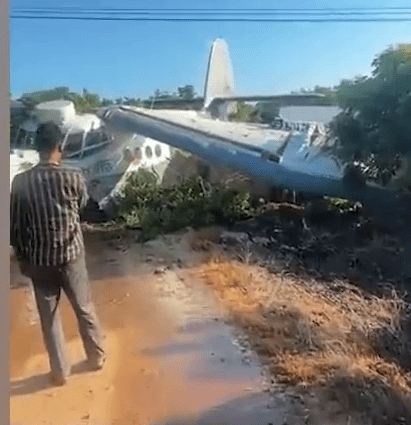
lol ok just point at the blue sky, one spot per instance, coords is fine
(135, 58)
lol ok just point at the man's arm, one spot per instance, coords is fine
(83, 193)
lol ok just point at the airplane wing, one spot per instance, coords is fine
(216, 142)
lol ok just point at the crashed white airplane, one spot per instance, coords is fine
(123, 138)
(103, 157)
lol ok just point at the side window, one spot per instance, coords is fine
(96, 141)
(13, 133)
(94, 149)
(20, 138)
(31, 139)
(149, 152)
(93, 138)
(158, 150)
(74, 145)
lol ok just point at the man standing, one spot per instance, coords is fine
(45, 233)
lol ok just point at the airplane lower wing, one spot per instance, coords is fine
(191, 134)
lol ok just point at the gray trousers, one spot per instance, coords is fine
(48, 283)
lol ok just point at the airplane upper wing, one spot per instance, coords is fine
(245, 134)
(220, 143)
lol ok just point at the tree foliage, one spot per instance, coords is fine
(37, 97)
(329, 96)
(376, 121)
(244, 113)
(159, 94)
(146, 205)
(82, 103)
(88, 102)
(186, 92)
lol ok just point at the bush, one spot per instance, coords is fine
(146, 205)
(24, 166)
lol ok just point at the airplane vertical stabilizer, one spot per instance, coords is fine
(219, 79)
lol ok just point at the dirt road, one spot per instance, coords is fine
(171, 356)
(167, 309)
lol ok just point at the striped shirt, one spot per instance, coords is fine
(45, 215)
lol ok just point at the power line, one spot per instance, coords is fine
(329, 9)
(160, 12)
(308, 20)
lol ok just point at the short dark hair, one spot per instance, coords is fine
(48, 137)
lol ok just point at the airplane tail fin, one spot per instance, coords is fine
(219, 80)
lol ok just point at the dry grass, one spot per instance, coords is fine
(307, 331)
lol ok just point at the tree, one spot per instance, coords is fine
(83, 103)
(244, 113)
(45, 95)
(329, 96)
(163, 95)
(132, 101)
(93, 100)
(377, 110)
(106, 102)
(186, 92)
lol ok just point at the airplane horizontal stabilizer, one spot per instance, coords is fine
(268, 98)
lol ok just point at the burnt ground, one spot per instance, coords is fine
(328, 245)
(334, 266)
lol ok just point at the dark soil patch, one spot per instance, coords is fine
(310, 240)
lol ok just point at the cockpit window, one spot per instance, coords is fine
(93, 138)
(31, 139)
(21, 136)
(96, 141)
(74, 145)
(94, 149)
(13, 133)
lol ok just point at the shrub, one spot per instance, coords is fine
(146, 205)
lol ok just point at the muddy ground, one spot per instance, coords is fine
(297, 318)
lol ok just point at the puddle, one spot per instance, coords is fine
(255, 409)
